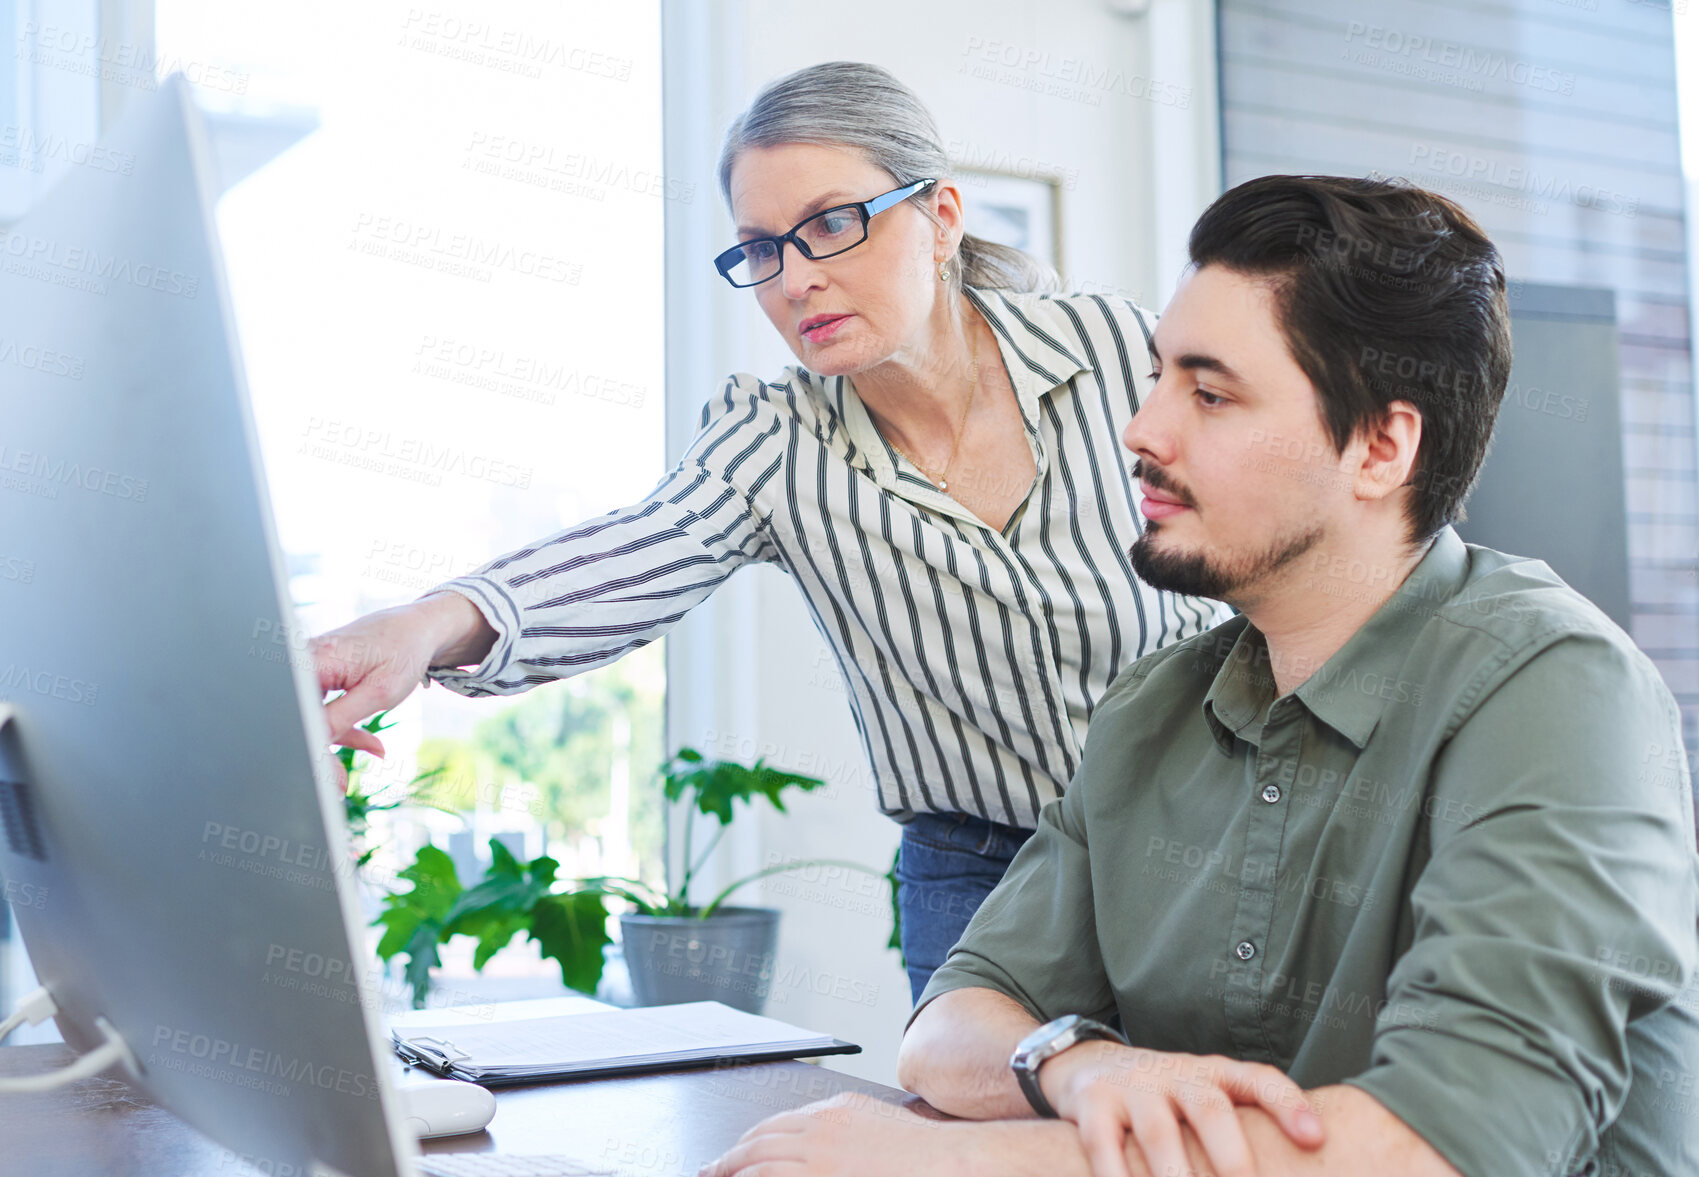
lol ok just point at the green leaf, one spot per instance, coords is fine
(399, 922)
(421, 959)
(435, 888)
(573, 929)
(508, 891)
(495, 936)
(435, 885)
(426, 776)
(413, 920)
(502, 861)
(718, 783)
(355, 806)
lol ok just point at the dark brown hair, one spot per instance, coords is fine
(1386, 292)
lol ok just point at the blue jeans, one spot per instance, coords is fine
(946, 867)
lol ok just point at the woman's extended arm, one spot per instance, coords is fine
(575, 600)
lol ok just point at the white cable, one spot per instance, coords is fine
(37, 1008)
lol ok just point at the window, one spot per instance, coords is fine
(448, 290)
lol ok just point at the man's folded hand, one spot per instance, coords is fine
(1112, 1092)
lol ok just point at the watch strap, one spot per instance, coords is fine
(1028, 1079)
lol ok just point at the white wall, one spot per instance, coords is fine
(1056, 86)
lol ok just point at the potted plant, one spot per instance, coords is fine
(675, 950)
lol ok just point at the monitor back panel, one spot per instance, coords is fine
(160, 793)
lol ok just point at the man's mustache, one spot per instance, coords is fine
(1159, 479)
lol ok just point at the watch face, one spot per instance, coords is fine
(1048, 1039)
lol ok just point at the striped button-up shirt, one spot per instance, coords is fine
(973, 657)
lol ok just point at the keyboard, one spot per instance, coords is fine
(494, 1164)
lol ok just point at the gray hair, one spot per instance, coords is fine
(863, 107)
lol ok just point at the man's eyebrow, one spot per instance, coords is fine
(1198, 362)
(823, 201)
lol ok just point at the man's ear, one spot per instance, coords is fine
(1387, 451)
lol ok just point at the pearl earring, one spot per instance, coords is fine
(943, 271)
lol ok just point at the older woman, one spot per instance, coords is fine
(941, 473)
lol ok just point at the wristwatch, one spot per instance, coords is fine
(1048, 1041)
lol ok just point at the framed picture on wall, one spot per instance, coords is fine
(1023, 211)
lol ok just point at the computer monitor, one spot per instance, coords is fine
(164, 788)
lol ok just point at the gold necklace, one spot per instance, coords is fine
(973, 387)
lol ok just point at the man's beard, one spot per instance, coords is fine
(1197, 574)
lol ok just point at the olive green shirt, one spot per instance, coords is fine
(1455, 868)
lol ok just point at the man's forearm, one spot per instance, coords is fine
(956, 1055)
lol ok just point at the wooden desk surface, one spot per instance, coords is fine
(642, 1126)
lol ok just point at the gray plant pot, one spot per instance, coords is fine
(727, 957)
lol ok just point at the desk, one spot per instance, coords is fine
(642, 1126)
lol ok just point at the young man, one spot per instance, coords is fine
(1392, 874)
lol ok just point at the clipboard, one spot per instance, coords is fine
(646, 1039)
(447, 1063)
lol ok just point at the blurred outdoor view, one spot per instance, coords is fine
(445, 257)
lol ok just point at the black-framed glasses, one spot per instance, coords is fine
(825, 234)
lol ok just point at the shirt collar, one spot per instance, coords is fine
(1029, 336)
(1242, 686)
(1350, 691)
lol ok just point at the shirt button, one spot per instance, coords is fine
(1271, 793)
(1246, 950)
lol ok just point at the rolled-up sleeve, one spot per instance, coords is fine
(1035, 936)
(584, 596)
(1558, 906)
